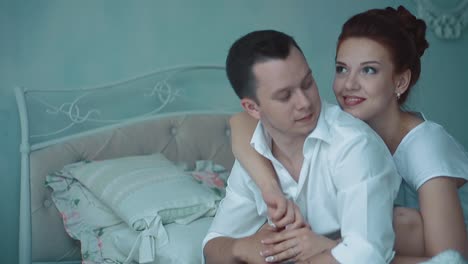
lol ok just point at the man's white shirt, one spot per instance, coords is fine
(347, 183)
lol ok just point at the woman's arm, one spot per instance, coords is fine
(408, 260)
(409, 232)
(442, 215)
(260, 169)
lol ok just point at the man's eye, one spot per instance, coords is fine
(284, 97)
(340, 69)
(369, 70)
(307, 85)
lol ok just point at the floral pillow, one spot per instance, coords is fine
(85, 218)
(211, 175)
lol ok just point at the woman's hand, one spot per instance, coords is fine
(282, 212)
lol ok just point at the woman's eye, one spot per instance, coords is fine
(340, 69)
(369, 70)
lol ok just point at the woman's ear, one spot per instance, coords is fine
(402, 82)
(250, 107)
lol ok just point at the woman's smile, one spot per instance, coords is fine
(352, 100)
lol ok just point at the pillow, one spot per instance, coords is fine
(109, 252)
(147, 192)
(85, 218)
(185, 242)
(212, 175)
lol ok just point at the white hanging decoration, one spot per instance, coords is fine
(447, 23)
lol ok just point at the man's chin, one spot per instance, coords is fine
(308, 124)
(304, 131)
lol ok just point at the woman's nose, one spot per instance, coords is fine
(351, 82)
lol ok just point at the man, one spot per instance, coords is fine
(335, 168)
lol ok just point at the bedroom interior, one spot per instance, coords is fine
(68, 46)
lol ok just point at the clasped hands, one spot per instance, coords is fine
(290, 239)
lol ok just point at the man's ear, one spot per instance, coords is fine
(402, 82)
(251, 107)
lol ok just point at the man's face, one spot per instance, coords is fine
(289, 103)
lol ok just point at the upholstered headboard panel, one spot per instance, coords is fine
(183, 138)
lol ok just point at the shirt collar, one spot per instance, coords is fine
(261, 141)
(322, 129)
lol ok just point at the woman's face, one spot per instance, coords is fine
(364, 82)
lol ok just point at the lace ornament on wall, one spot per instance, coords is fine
(447, 23)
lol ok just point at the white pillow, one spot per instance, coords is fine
(185, 242)
(147, 192)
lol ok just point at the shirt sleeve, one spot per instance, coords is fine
(238, 214)
(419, 162)
(367, 183)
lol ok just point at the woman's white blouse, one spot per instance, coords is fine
(426, 152)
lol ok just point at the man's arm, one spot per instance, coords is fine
(237, 226)
(296, 245)
(241, 250)
(221, 250)
(323, 258)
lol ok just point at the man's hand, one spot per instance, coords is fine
(248, 249)
(295, 245)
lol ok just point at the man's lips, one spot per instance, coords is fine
(305, 118)
(353, 100)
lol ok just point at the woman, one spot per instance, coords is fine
(377, 63)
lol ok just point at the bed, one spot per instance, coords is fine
(71, 139)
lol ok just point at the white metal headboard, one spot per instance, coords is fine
(48, 117)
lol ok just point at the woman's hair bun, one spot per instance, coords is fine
(415, 27)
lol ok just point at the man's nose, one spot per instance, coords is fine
(303, 100)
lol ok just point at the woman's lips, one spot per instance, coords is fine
(353, 100)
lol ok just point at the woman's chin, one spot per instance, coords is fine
(355, 112)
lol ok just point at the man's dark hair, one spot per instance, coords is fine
(255, 47)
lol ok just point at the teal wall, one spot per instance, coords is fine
(71, 44)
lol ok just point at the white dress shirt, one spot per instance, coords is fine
(347, 183)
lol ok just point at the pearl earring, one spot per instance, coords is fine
(398, 95)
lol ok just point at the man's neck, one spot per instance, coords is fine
(289, 151)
